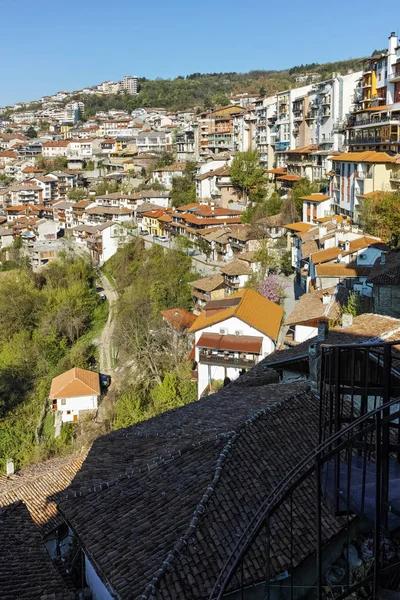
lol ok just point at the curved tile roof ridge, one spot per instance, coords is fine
(151, 588)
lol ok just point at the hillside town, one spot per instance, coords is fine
(284, 319)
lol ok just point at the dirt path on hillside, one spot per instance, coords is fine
(106, 349)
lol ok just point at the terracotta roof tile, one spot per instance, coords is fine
(236, 267)
(39, 487)
(341, 270)
(75, 382)
(238, 343)
(208, 284)
(315, 198)
(255, 310)
(179, 318)
(311, 306)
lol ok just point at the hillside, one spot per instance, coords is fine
(208, 89)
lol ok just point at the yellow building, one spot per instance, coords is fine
(356, 174)
(64, 130)
(151, 223)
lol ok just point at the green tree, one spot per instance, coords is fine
(380, 216)
(165, 159)
(31, 133)
(59, 163)
(274, 204)
(304, 187)
(77, 194)
(204, 247)
(247, 173)
(183, 244)
(356, 305)
(183, 190)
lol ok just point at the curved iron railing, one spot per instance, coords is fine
(349, 478)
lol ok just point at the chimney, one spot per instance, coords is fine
(322, 331)
(314, 361)
(347, 320)
(326, 298)
(347, 245)
(322, 231)
(9, 467)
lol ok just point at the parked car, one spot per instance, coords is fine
(162, 238)
(105, 380)
(102, 296)
(144, 232)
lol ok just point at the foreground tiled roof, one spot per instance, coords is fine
(387, 273)
(171, 495)
(311, 307)
(366, 328)
(253, 309)
(39, 487)
(26, 569)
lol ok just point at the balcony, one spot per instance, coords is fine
(381, 120)
(227, 359)
(357, 141)
(395, 178)
(395, 76)
(282, 146)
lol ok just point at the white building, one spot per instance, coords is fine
(75, 392)
(129, 84)
(104, 240)
(234, 334)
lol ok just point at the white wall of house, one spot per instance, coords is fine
(70, 407)
(230, 326)
(47, 230)
(211, 165)
(323, 210)
(6, 240)
(97, 587)
(303, 333)
(113, 237)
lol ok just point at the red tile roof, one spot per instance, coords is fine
(236, 343)
(179, 318)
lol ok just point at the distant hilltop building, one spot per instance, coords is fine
(307, 77)
(129, 84)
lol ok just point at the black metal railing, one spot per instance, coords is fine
(325, 530)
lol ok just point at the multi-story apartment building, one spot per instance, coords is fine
(265, 110)
(186, 146)
(244, 130)
(129, 84)
(310, 125)
(215, 131)
(114, 127)
(109, 87)
(375, 120)
(356, 174)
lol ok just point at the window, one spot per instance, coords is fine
(68, 412)
(63, 402)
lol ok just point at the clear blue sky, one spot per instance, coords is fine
(48, 45)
